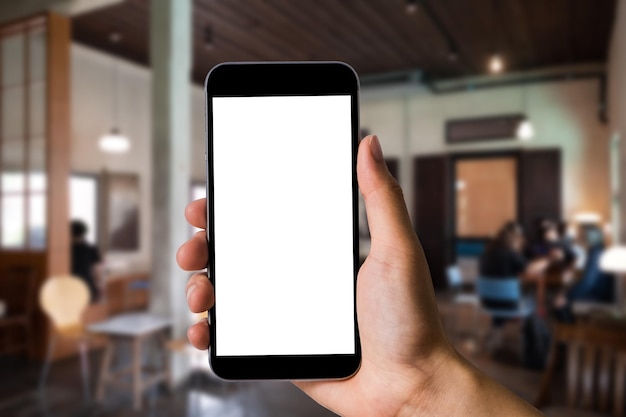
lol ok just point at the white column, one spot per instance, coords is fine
(170, 55)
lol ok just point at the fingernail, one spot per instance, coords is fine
(190, 289)
(375, 148)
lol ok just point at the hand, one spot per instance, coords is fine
(408, 367)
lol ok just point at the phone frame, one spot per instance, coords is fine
(281, 79)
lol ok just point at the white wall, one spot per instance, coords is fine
(617, 99)
(91, 101)
(564, 115)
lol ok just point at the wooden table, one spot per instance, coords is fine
(135, 328)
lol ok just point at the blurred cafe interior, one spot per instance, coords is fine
(504, 122)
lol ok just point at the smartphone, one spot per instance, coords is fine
(282, 215)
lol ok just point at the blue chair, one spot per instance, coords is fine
(461, 299)
(496, 295)
(503, 291)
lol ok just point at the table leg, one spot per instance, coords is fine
(84, 370)
(104, 370)
(137, 374)
(165, 359)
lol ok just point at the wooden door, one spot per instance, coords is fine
(539, 187)
(431, 212)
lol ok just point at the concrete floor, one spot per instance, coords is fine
(202, 396)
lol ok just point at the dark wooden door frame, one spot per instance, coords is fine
(449, 237)
(519, 155)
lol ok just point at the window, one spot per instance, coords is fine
(22, 136)
(486, 195)
(83, 203)
(198, 190)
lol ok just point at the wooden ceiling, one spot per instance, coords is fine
(374, 36)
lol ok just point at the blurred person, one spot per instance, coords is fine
(553, 243)
(504, 258)
(569, 239)
(555, 246)
(535, 242)
(408, 365)
(86, 260)
(593, 285)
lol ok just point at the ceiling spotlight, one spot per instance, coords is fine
(208, 38)
(496, 64)
(115, 36)
(411, 6)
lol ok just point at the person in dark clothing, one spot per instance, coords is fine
(504, 259)
(553, 243)
(594, 285)
(85, 259)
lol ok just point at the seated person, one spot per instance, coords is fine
(503, 259)
(86, 259)
(594, 285)
(553, 243)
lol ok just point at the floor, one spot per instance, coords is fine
(205, 396)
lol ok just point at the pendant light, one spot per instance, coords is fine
(114, 141)
(496, 63)
(525, 130)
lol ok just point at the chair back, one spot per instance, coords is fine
(595, 367)
(453, 274)
(17, 290)
(499, 289)
(64, 299)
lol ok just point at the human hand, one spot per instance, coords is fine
(408, 367)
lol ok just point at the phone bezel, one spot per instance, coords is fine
(282, 79)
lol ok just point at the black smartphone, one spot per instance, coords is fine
(282, 216)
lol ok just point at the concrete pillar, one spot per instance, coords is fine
(170, 54)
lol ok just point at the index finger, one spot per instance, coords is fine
(195, 213)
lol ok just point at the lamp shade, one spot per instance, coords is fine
(613, 260)
(587, 217)
(114, 142)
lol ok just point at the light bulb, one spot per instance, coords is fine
(114, 142)
(496, 64)
(412, 6)
(525, 130)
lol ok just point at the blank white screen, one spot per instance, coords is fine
(284, 270)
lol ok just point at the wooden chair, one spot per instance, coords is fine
(595, 367)
(64, 299)
(17, 281)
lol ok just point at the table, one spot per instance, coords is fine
(136, 328)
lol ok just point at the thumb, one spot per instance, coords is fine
(389, 223)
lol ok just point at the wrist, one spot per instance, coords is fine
(451, 387)
(457, 388)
